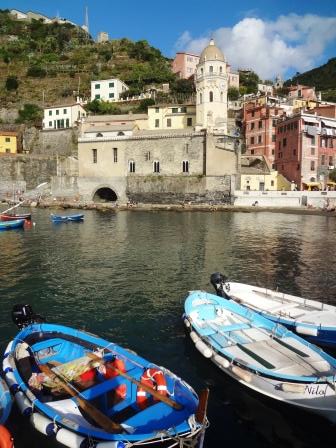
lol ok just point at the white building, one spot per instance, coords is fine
(19, 15)
(102, 37)
(211, 90)
(107, 89)
(63, 116)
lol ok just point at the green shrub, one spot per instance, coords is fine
(30, 113)
(12, 83)
(36, 71)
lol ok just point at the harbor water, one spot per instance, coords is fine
(124, 276)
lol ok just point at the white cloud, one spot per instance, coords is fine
(290, 43)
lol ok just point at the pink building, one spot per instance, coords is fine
(305, 148)
(260, 135)
(185, 64)
(303, 92)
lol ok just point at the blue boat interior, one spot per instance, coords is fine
(61, 350)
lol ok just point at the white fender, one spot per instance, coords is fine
(194, 337)
(8, 349)
(292, 387)
(222, 362)
(10, 379)
(309, 331)
(204, 349)
(69, 438)
(23, 403)
(43, 424)
(246, 376)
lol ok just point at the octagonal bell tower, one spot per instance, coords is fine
(211, 90)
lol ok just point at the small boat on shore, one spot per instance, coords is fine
(6, 439)
(67, 218)
(8, 225)
(313, 320)
(86, 391)
(14, 216)
(261, 354)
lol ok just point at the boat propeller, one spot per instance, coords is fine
(221, 285)
(23, 315)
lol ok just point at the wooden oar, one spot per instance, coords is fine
(148, 389)
(100, 418)
(200, 413)
(11, 208)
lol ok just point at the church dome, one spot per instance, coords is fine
(212, 53)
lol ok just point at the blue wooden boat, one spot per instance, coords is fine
(6, 439)
(86, 391)
(313, 320)
(67, 218)
(262, 354)
(8, 225)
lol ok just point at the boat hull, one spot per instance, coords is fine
(292, 315)
(72, 429)
(67, 218)
(261, 355)
(8, 225)
(5, 217)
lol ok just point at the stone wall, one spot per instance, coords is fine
(51, 143)
(179, 189)
(317, 199)
(25, 169)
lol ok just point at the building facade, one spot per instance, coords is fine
(107, 89)
(259, 122)
(63, 116)
(102, 37)
(184, 64)
(306, 148)
(8, 142)
(172, 117)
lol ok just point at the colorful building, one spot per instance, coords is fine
(172, 117)
(256, 175)
(8, 142)
(259, 122)
(305, 148)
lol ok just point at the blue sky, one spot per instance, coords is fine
(268, 36)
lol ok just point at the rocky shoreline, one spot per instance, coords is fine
(64, 205)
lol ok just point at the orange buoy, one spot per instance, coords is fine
(6, 439)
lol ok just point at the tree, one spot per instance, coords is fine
(143, 106)
(30, 113)
(12, 83)
(332, 175)
(233, 93)
(183, 86)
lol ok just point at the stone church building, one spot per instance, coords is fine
(125, 158)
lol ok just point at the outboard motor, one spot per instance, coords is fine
(219, 282)
(23, 315)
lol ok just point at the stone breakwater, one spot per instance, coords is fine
(104, 207)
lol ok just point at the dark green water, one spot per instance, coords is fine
(124, 276)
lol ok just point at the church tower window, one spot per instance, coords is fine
(211, 69)
(211, 96)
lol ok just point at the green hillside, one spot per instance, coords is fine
(323, 78)
(46, 64)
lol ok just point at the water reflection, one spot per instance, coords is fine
(124, 275)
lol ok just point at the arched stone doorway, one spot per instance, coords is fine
(105, 194)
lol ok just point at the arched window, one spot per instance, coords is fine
(220, 69)
(221, 97)
(94, 156)
(156, 166)
(121, 133)
(131, 166)
(201, 71)
(211, 69)
(99, 134)
(185, 166)
(201, 98)
(211, 96)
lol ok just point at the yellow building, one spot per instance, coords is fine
(172, 117)
(8, 142)
(257, 176)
